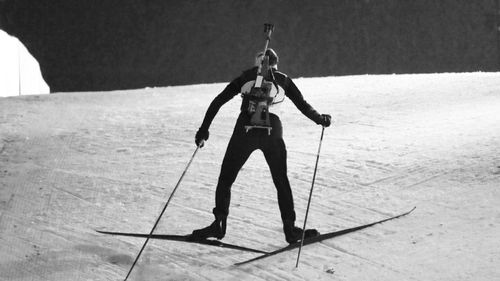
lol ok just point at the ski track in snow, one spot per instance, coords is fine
(71, 163)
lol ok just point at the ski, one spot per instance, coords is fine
(185, 238)
(321, 238)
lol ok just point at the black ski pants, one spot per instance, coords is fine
(239, 149)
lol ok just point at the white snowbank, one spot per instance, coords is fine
(19, 71)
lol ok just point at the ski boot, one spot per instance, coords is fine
(293, 234)
(216, 230)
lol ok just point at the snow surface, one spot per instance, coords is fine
(19, 71)
(71, 163)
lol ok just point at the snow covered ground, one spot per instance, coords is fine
(19, 71)
(71, 163)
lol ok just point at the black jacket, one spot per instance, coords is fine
(235, 87)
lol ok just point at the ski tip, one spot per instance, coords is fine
(101, 231)
(409, 212)
(105, 232)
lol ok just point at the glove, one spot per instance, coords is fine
(325, 120)
(201, 137)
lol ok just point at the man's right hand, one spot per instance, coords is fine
(325, 120)
(201, 137)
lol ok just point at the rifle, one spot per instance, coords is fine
(259, 96)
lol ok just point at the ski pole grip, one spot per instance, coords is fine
(202, 143)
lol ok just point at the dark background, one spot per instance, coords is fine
(90, 45)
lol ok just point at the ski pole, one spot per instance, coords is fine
(161, 214)
(310, 195)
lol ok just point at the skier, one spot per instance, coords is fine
(246, 138)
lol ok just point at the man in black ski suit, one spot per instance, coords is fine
(243, 142)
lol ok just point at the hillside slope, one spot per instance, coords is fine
(73, 163)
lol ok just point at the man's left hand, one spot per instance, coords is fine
(325, 120)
